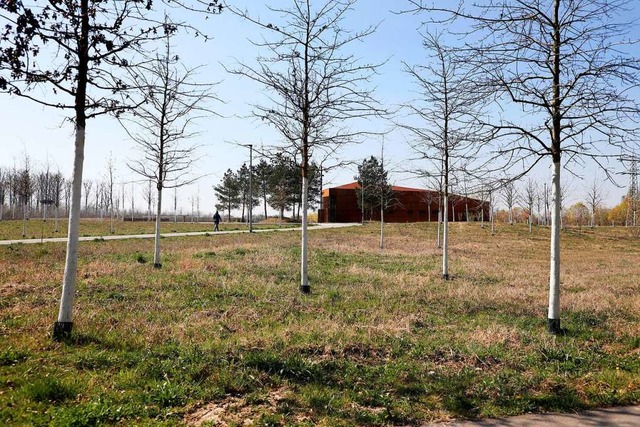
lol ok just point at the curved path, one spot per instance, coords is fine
(321, 226)
(624, 416)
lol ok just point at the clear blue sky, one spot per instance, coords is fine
(44, 136)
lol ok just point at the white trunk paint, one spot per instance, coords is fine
(71, 262)
(554, 273)
(382, 225)
(24, 221)
(156, 251)
(304, 279)
(445, 239)
(439, 225)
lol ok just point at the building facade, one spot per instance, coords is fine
(340, 204)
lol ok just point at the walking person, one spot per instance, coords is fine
(216, 221)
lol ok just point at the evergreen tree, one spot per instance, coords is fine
(373, 182)
(228, 193)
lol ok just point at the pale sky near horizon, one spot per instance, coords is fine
(44, 136)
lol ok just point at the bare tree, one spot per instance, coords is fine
(81, 47)
(565, 65)
(110, 181)
(509, 195)
(57, 187)
(160, 127)
(87, 185)
(447, 135)
(595, 196)
(316, 86)
(529, 195)
(4, 187)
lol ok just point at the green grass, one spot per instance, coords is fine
(381, 340)
(37, 229)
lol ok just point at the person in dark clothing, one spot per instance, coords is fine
(216, 221)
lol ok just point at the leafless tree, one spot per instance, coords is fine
(446, 134)
(566, 66)
(316, 85)
(74, 51)
(4, 187)
(529, 196)
(509, 195)
(162, 126)
(87, 185)
(110, 182)
(57, 187)
(595, 197)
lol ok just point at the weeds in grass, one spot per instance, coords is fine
(222, 331)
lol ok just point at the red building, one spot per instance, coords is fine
(340, 204)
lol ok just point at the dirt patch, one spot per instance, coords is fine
(236, 411)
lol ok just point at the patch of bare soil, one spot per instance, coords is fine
(235, 411)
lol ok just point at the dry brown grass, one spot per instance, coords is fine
(381, 339)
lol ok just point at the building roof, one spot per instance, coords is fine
(354, 185)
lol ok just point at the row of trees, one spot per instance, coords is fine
(276, 183)
(554, 74)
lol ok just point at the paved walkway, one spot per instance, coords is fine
(626, 416)
(193, 233)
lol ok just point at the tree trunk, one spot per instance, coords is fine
(24, 220)
(264, 197)
(445, 239)
(156, 252)
(439, 226)
(64, 324)
(57, 217)
(304, 279)
(554, 273)
(382, 225)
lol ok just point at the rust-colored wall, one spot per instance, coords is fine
(341, 205)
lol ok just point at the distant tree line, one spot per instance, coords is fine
(277, 183)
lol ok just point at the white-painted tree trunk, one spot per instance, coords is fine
(445, 239)
(65, 321)
(554, 272)
(24, 221)
(156, 251)
(439, 228)
(382, 225)
(304, 278)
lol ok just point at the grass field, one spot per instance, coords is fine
(221, 334)
(37, 228)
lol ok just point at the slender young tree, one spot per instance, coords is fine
(510, 195)
(595, 196)
(567, 68)
(4, 186)
(162, 126)
(75, 51)
(446, 135)
(317, 85)
(110, 181)
(529, 195)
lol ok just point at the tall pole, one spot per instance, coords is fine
(250, 188)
